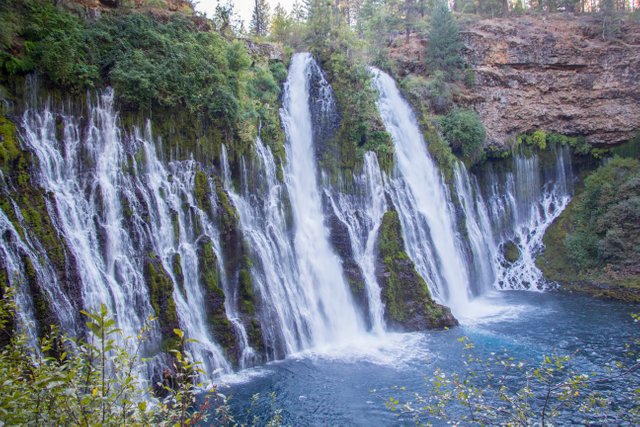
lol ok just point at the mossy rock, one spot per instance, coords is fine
(160, 288)
(214, 300)
(511, 252)
(31, 202)
(408, 303)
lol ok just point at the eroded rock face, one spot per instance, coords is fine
(558, 75)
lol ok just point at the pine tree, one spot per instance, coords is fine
(298, 11)
(280, 24)
(259, 25)
(443, 51)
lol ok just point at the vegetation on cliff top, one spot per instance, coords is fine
(155, 64)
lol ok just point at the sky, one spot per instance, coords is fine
(242, 7)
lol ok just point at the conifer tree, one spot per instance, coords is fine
(259, 25)
(443, 51)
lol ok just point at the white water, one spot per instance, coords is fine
(87, 177)
(287, 312)
(523, 206)
(13, 248)
(362, 214)
(480, 235)
(422, 201)
(87, 209)
(330, 311)
(94, 179)
(167, 198)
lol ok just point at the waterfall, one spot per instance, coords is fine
(83, 173)
(120, 207)
(114, 208)
(286, 321)
(173, 232)
(523, 204)
(14, 248)
(422, 201)
(330, 313)
(362, 214)
(514, 207)
(480, 234)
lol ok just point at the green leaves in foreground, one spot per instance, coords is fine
(97, 380)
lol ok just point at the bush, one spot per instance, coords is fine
(465, 132)
(97, 380)
(606, 223)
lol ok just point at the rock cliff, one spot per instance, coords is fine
(557, 74)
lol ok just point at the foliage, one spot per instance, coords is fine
(444, 48)
(606, 218)
(259, 24)
(41, 37)
(433, 95)
(98, 380)
(441, 152)
(465, 132)
(154, 65)
(361, 128)
(92, 382)
(499, 390)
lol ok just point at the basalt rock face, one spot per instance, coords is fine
(558, 75)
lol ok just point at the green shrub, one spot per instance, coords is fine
(606, 218)
(465, 132)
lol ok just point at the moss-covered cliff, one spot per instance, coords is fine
(408, 304)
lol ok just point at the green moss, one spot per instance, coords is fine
(10, 153)
(246, 292)
(209, 268)
(43, 312)
(176, 266)
(510, 252)
(497, 152)
(593, 245)
(402, 287)
(202, 191)
(215, 299)
(175, 222)
(227, 214)
(441, 152)
(161, 295)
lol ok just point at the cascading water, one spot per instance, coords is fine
(117, 204)
(523, 204)
(422, 201)
(87, 208)
(332, 315)
(173, 232)
(13, 251)
(480, 236)
(515, 207)
(286, 312)
(362, 214)
(112, 215)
